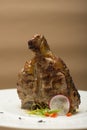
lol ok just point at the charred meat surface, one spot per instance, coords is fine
(44, 77)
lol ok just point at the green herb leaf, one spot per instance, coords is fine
(42, 112)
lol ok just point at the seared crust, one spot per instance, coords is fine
(44, 77)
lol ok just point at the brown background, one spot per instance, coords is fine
(64, 24)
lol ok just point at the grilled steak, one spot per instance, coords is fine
(44, 77)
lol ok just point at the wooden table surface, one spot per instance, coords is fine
(63, 23)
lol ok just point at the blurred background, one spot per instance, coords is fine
(62, 22)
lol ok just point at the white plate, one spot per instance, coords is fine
(11, 115)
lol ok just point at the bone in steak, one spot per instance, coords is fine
(44, 77)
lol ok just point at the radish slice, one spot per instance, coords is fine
(61, 103)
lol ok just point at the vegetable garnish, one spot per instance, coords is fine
(69, 114)
(44, 112)
(58, 105)
(61, 103)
